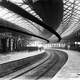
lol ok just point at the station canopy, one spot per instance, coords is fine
(65, 21)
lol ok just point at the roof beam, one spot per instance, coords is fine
(16, 9)
(23, 32)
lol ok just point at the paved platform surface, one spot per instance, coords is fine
(71, 70)
(13, 56)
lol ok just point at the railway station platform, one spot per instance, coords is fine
(71, 70)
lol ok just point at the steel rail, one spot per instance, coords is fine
(49, 60)
(15, 75)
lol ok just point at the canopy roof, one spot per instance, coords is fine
(68, 25)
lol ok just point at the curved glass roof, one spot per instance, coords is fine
(69, 24)
(18, 20)
(71, 18)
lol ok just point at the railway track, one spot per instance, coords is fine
(13, 66)
(38, 70)
(25, 70)
(62, 59)
(44, 69)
